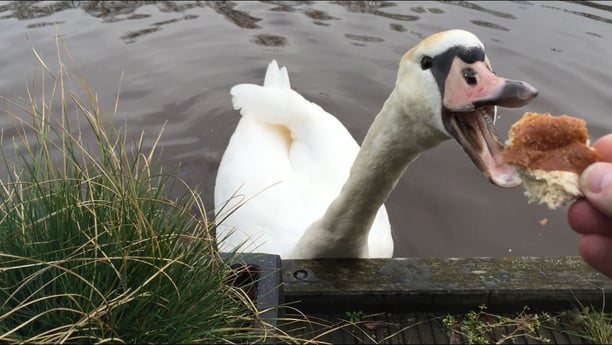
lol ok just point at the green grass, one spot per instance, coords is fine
(596, 326)
(590, 324)
(92, 247)
(482, 327)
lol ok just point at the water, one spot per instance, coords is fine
(180, 59)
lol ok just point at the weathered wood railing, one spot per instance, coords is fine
(443, 284)
(416, 288)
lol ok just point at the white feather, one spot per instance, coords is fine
(297, 157)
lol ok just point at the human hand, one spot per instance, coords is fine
(592, 216)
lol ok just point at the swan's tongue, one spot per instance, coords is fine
(471, 93)
(474, 131)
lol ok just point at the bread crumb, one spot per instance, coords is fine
(543, 221)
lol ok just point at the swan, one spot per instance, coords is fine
(293, 181)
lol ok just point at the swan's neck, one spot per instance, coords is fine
(396, 137)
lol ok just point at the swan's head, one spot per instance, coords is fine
(452, 78)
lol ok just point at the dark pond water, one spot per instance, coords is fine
(180, 59)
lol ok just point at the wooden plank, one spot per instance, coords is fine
(447, 284)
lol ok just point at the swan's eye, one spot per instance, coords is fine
(426, 62)
(470, 76)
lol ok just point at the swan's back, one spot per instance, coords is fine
(287, 160)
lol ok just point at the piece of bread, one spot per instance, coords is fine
(550, 153)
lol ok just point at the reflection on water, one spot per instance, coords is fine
(113, 11)
(240, 18)
(364, 6)
(180, 58)
(23, 10)
(117, 11)
(598, 5)
(373, 7)
(585, 14)
(476, 7)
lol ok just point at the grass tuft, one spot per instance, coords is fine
(92, 247)
(596, 325)
(593, 325)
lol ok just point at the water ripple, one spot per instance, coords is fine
(363, 38)
(239, 18)
(23, 10)
(363, 6)
(132, 36)
(403, 17)
(593, 4)
(373, 7)
(476, 7)
(268, 40)
(397, 27)
(115, 11)
(489, 25)
(583, 14)
(42, 24)
(318, 14)
(421, 9)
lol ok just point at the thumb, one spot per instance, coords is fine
(596, 184)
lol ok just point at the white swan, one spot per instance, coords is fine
(310, 192)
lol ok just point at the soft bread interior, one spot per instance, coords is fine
(552, 188)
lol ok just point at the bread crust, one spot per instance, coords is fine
(550, 153)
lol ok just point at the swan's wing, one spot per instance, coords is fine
(312, 135)
(288, 156)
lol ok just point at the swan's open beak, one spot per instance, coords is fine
(471, 94)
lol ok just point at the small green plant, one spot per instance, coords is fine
(478, 327)
(354, 316)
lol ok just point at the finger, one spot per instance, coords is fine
(596, 250)
(596, 184)
(603, 145)
(586, 219)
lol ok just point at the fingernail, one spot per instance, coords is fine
(598, 177)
